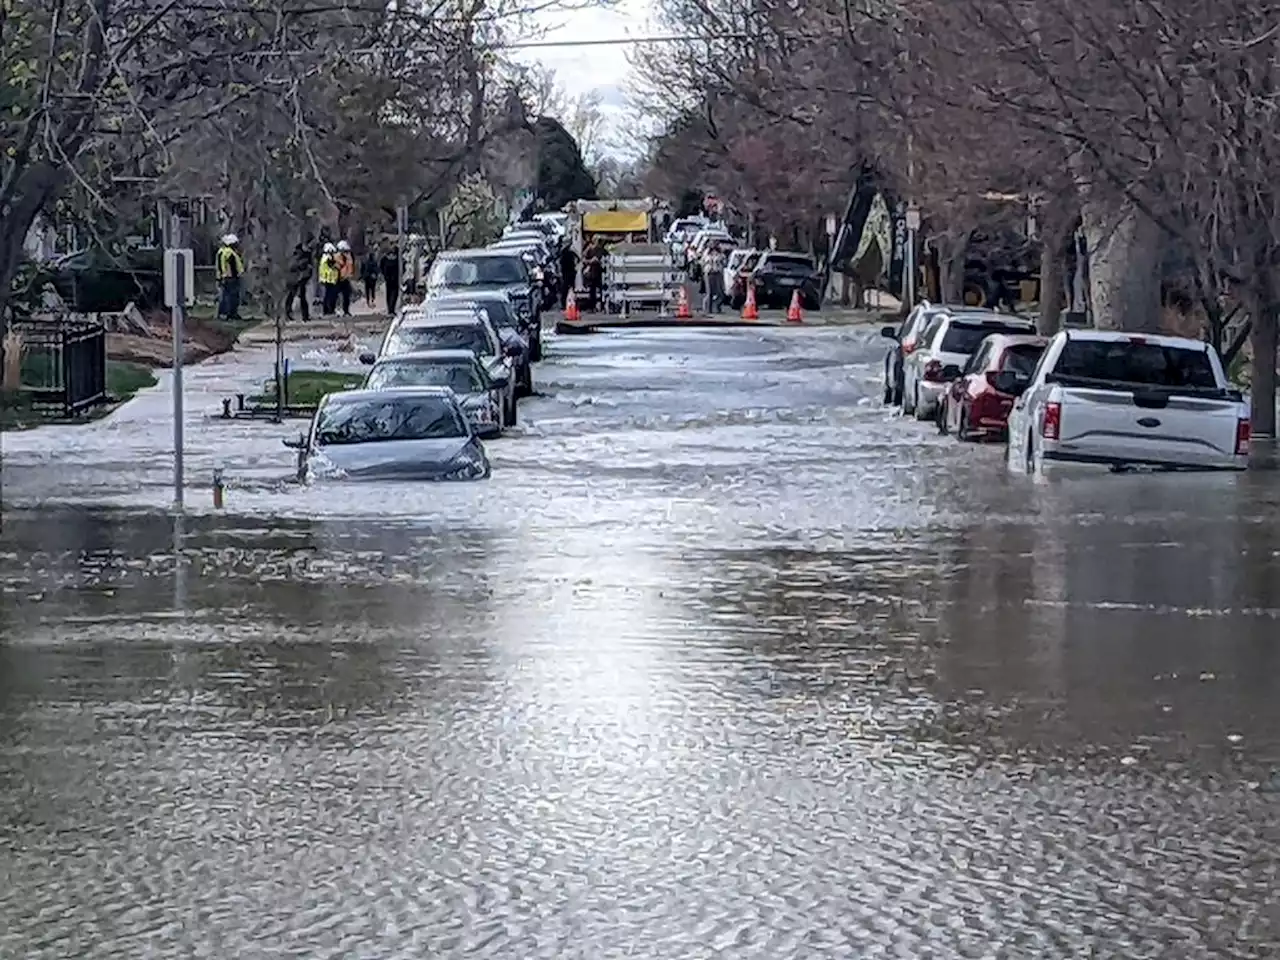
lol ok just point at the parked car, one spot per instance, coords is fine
(501, 313)
(401, 433)
(472, 270)
(906, 338)
(1123, 400)
(737, 274)
(483, 397)
(976, 405)
(777, 276)
(944, 348)
(418, 332)
(542, 263)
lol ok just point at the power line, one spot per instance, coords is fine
(517, 45)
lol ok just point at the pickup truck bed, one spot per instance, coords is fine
(1064, 417)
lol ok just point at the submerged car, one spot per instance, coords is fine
(463, 329)
(483, 397)
(501, 312)
(400, 433)
(976, 405)
(475, 270)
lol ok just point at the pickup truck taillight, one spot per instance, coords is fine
(1052, 425)
(1244, 431)
(933, 371)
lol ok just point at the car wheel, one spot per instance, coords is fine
(1031, 454)
(962, 427)
(535, 349)
(888, 394)
(897, 391)
(908, 402)
(940, 417)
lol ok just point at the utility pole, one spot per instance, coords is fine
(179, 293)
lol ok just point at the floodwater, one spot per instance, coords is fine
(725, 661)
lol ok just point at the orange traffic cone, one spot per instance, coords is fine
(682, 305)
(794, 313)
(749, 309)
(571, 307)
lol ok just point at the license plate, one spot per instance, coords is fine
(788, 283)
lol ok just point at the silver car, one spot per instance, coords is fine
(482, 396)
(464, 329)
(402, 433)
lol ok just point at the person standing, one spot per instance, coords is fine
(329, 276)
(346, 275)
(369, 276)
(300, 268)
(713, 277)
(593, 271)
(389, 267)
(568, 273)
(229, 266)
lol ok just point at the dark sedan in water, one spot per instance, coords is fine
(399, 433)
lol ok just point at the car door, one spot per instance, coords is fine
(961, 387)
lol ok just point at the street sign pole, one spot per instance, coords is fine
(909, 261)
(179, 276)
(402, 227)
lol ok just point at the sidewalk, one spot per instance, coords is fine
(364, 322)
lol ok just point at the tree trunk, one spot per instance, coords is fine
(951, 257)
(1050, 320)
(1125, 257)
(1263, 343)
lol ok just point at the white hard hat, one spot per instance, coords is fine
(342, 245)
(329, 248)
(230, 238)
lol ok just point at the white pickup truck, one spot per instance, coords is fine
(1121, 400)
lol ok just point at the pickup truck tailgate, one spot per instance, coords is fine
(1147, 426)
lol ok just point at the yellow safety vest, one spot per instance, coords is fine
(328, 269)
(230, 263)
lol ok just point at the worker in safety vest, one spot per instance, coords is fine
(230, 272)
(330, 274)
(346, 275)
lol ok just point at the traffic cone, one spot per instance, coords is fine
(571, 307)
(749, 309)
(794, 313)
(682, 305)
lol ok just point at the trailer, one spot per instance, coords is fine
(640, 270)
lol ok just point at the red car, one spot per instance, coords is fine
(977, 404)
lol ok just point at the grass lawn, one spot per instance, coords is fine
(124, 379)
(304, 388)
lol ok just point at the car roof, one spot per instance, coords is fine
(447, 318)
(472, 253)
(408, 393)
(1119, 336)
(456, 295)
(978, 318)
(460, 355)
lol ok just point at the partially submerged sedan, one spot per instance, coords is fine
(483, 397)
(400, 433)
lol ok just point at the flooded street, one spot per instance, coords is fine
(724, 661)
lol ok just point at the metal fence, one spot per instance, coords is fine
(63, 363)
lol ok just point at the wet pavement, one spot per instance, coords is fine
(724, 661)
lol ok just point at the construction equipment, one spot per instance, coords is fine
(639, 269)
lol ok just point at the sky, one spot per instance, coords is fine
(604, 69)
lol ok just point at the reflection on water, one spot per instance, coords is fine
(834, 702)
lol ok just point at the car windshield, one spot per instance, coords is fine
(967, 337)
(1021, 358)
(461, 378)
(470, 336)
(1147, 364)
(476, 271)
(786, 264)
(388, 418)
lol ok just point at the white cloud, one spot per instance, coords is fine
(584, 68)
